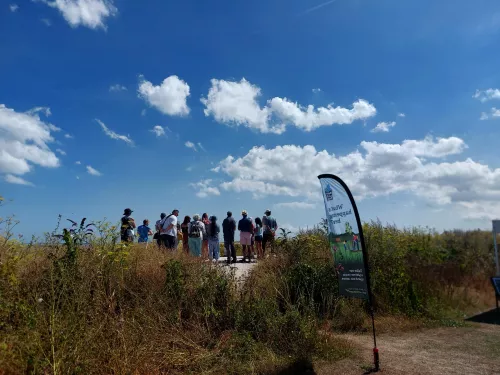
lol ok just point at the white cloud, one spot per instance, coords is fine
(89, 13)
(143, 112)
(297, 205)
(485, 95)
(24, 140)
(44, 110)
(189, 169)
(383, 127)
(495, 112)
(375, 169)
(315, 91)
(169, 98)
(158, 130)
(68, 136)
(235, 103)
(204, 188)
(92, 171)
(117, 88)
(111, 134)
(484, 116)
(200, 146)
(13, 7)
(46, 22)
(191, 145)
(78, 162)
(401, 114)
(11, 179)
(61, 151)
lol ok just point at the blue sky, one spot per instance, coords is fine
(404, 96)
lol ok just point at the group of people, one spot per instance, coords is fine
(200, 235)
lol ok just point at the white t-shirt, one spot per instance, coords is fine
(172, 220)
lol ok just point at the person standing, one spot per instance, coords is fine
(245, 227)
(144, 231)
(204, 244)
(127, 226)
(196, 233)
(270, 228)
(228, 229)
(168, 230)
(157, 235)
(213, 231)
(185, 238)
(258, 237)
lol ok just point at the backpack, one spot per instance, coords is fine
(195, 230)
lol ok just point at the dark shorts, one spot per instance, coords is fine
(258, 238)
(168, 241)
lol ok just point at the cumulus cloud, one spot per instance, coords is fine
(495, 113)
(383, 127)
(205, 189)
(68, 136)
(24, 140)
(117, 88)
(315, 91)
(92, 171)
(11, 179)
(485, 95)
(299, 205)
(78, 162)
(13, 7)
(484, 116)
(158, 130)
(401, 114)
(190, 145)
(170, 97)
(236, 103)
(61, 151)
(375, 169)
(88, 13)
(111, 134)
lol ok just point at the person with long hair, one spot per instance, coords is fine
(258, 237)
(204, 244)
(185, 237)
(213, 231)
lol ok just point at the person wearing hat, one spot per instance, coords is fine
(228, 229)
(245, 227)
(270, 228)
(127, 226)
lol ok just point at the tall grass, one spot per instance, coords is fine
(99, 307)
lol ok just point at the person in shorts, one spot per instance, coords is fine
(246, 231)
(168, 230)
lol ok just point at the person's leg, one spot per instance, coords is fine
(227, 250)
(210, 250)
(191, 246)
(264, 243)
(232, 253)
(216, 250)
(244, 247)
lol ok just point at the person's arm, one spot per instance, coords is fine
(132, 223)
(239, 225)
(233, 226)
(203, 230)
(171, 225)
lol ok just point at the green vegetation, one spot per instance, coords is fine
(95, 306)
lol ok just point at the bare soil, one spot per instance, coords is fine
(471, 350)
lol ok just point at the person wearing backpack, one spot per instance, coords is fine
(270, 228)
(168, 230)
(213, 230)
(196, 233)
(127, 226)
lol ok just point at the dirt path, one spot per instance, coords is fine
(471, 350)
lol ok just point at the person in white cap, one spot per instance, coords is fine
(246, 230)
